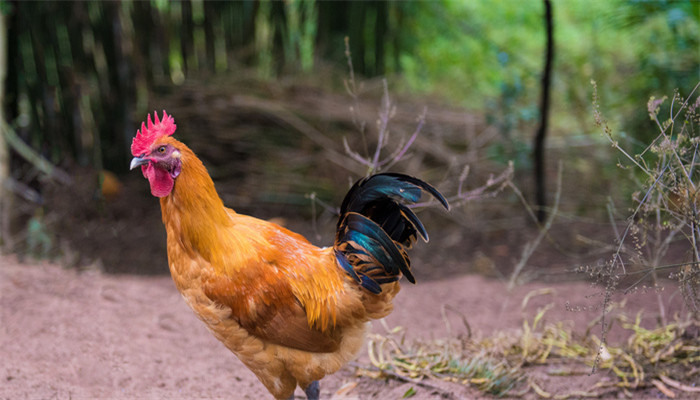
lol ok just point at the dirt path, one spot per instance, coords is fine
(73, 335)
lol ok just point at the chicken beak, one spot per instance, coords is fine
(137, 161)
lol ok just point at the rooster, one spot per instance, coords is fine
(292, 312)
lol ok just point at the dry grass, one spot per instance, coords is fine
(500, 364)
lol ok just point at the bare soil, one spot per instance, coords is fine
(70, 334)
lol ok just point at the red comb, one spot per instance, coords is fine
(148, 134)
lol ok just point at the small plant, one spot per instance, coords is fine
(665, 207)
(375, 155)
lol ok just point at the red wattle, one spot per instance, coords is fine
(161, 181)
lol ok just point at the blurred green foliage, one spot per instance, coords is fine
(483, 54)
(488, 55)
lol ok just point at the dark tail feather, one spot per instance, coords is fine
(376, 228)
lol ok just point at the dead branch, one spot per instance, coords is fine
(32, 156)
(530, 247)
(278, 111)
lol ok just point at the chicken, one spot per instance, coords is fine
(109, 185)
(292, 312)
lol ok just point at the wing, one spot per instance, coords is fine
(286, 294)
(271, 312)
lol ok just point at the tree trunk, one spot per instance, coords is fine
(278, 20)
(5, 195)
(380, 37)
(395, 36)
(142, 18)
(116, 139)
(186, 36)
(10, 95)
(540, 136)
(357, 36)
(211, 10)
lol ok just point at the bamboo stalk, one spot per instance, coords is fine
(5, 196)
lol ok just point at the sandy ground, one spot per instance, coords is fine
(67, 334)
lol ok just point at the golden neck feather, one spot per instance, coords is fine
(193, 210)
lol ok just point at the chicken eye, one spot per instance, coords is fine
(161, 149)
